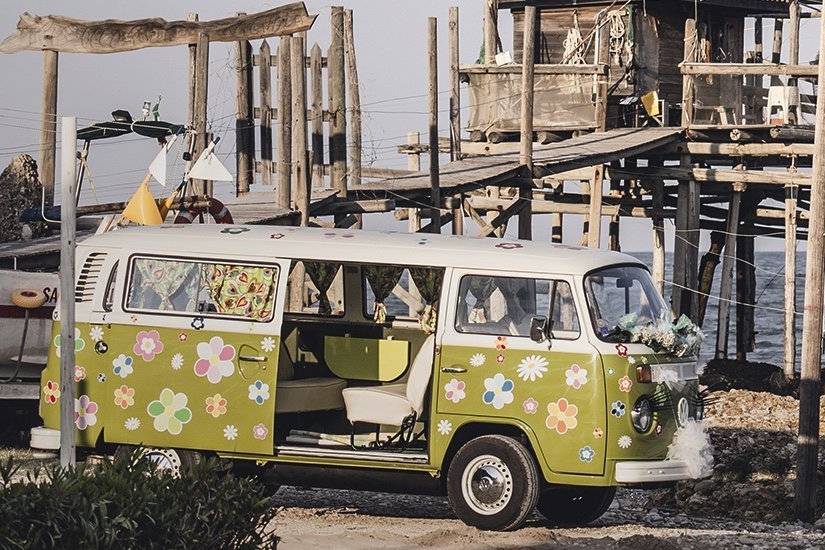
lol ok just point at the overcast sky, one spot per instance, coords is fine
(391, 50)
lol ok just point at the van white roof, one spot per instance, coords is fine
(359, 246)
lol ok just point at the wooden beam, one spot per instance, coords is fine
(544, 69)
(435, 186)
(443, 220)
(489, 229)
(65, 34)
(244, 122)
(525, 220)
(358, 207)
(745, 149)
(745, 69)
(712, 175)
(48, 125)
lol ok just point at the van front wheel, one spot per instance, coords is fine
(174, 461)
(575, 505)
(492, 483)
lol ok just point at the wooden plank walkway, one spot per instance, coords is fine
(473, 173)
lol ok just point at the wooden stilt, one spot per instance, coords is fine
(658, 219)
(435, 186)
(200, 102)
(283, 148)
(585, 240)
(244, 118)
(48, 125)
(525, 219)
(789, 354)
(317, 140)
(354, 98)
(455, 108)
(337, 105)
(594, 225)
(707, 270)
(726, 281)
(265, 93)
(557, 218)
(490, 31)
(414, 165)
(300, 165)
(745, 282)
(189, 138)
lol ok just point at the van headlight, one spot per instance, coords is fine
(642, 415)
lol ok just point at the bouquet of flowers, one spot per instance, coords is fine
(680, 338)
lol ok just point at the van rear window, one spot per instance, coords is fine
(202, 287)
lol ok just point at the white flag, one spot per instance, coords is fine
(158, 166)
(209, 168)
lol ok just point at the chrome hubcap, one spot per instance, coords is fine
(487, 484)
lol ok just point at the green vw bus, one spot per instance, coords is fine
(508, 375)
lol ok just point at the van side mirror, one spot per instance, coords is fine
(538, 329)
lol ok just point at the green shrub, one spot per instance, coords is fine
(128, 503)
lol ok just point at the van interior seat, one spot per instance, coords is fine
(391, 404)
(297, 395)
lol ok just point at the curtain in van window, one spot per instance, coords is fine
(174, 283)
(428, 282)
(241, 290)
(481, 288)
(382, 279)
(322, 275)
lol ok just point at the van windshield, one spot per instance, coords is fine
(622, 292)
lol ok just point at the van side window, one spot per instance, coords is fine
(202, 288)
(505, 306)
(403, 301)
(109, 296)
(322, 290)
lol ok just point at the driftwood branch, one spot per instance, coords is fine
(64, 34)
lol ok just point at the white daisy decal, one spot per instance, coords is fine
(478, 360)
(532, 367)
(268, 344)
(625, 442)
(445, 427)
(230, 433)
(132, 423)
(177, 361)
(96, 334)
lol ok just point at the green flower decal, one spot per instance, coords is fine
(79, 343)
(170, 411)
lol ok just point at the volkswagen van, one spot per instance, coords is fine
(493, 371)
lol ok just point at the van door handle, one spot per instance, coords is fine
(456, 370)
(253, 358)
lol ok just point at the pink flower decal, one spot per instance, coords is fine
(215, 360)
(621, 349)
(260, 431)
(79, 373)
(561, 416)
(147, 344)
(182, 337)
(454, 390)
(85, 412)
(500, 358)
(625, 384)
(530, 406)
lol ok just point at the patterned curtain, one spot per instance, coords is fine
(382, 279)
(322, 275)
(241, 290)
(481, 288)
(428, 282)
(165, 278)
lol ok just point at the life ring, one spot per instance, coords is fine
(217, 210)
(27, 298)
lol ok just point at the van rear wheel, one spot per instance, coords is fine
(574, 505)
(493, 483)
(172, 460)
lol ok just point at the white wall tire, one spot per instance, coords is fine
(493, 483)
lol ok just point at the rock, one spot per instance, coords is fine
(19, 189)
(705, 487)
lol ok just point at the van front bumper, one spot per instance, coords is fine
(652, 471)
(45, 439)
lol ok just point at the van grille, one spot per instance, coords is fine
(87, 279)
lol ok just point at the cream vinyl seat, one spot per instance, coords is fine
(391, 404)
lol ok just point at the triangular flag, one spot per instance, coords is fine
(158, 166)
(209, 168)
(142, 207)
(167, 204)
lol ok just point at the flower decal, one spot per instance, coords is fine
(216, 405)
(259, 392)
(530, 406)
(234, 230)
(124, 396)
(586, 454)
(85, 412)
(575, 377)
(445, 427)
(215, 359)
(617, 409)
(183, 337)
(79, 373)
(268, 344)
(147, 344)
(122, 365)
(611, 371)
(625, 384)
(260, 431)
(101, 347)
(501, 343)
(598, 433)
(625, 442)
(532, 367)
(51, 392)
(96, 333)
(478, 359)
(197, 323)
(276, 236)
(498, 391)
(454, 390)
(132, 423)
(101, 377)
(509, 246)
(79, 343)
(561, 416)
(177, 361)
(631, 360)
(621, 349)
(500, 358)
(230, 433)
(170, 412)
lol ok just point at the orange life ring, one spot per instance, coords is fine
(217, 210)
(27, 298)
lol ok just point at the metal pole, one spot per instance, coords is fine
(68, 151)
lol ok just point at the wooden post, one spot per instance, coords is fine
(455, 108)
(789, 354)
(707, 269)
(490, 32)
(435, 186)
(317, 140)
(745, 281)
(201, 187)
(244, 118)
(688, 89)
(354, 97)
(585, 190)
(68, 183)
(414, 165)
(726, 281)
(557, 218)
(525, 217)
(48, 124)
(809, 386)
(793, 50)
(284, 146)
(594, 224)
(692, 249)
(337, 106)
(300, 172)
(265, 85)
(658, 267)
(189, 138)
